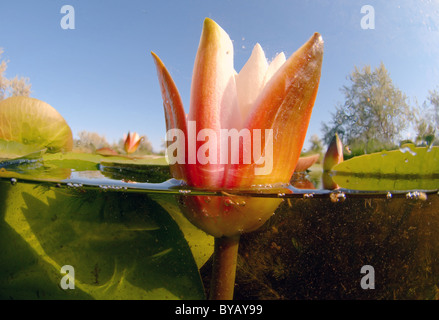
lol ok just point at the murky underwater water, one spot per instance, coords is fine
(116, 229)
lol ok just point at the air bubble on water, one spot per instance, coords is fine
(281, 194)
(13, 181)
(416, 195)
(337, 197)
(389, 195)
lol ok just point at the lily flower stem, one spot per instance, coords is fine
(224, 268)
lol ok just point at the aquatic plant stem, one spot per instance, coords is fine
(225, 256)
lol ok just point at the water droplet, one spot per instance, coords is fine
(308, 195)
(389, 195)
(13, 181)
(228, 202)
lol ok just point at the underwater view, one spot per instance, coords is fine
(252, 155)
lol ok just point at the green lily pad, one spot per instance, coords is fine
(201, 243)
(121, 246)
(408, 168)
(408, 160)
(29, 125)
(15, 150)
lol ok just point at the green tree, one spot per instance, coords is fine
(316, 145)
(427, 120)
(375, 112)
(12, 87)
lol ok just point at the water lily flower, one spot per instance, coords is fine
(132, 142)
(333, 156)
(266, 108)
(275, 97)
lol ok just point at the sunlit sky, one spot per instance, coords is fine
(101, 77)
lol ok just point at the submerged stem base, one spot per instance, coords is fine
(224, 268)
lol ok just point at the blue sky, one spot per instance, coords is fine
(100, 76)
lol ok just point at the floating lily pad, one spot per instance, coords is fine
(405, 169)
(28, 125)
(408, 160)
(16, 150)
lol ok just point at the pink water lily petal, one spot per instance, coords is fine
(285, 106)
(213, 103)
(174, 114)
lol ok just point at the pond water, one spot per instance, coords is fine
(121, 229)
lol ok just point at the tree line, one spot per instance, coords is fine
(17, 86)
(376, 115)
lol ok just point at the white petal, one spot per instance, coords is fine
(277, 62)
(250, 80)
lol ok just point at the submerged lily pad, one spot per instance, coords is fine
(121, 246)
(28, 125)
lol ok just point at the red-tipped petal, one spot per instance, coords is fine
(285, 106)
(174, 113)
